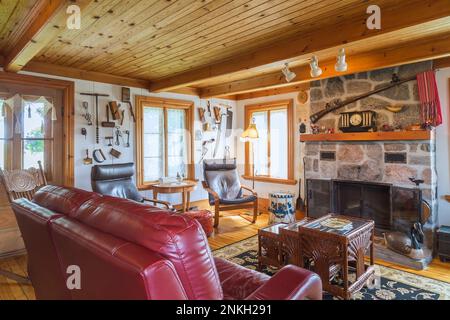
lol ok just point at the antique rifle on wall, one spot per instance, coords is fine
(337, 104)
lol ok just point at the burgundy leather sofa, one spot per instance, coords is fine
(127, 250)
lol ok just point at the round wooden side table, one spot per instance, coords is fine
(184, 188)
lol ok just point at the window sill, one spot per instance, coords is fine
(271, 180)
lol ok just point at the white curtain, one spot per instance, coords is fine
(48, 104)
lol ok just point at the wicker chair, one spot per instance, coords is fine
(21, 184)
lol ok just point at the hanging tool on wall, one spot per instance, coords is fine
(87, 160)
(86, 115)
(126, 98)
(84, 133)
(127, 132)
(110, 140)
(98, 156)
(107, 123)
(114, 107)
(97, 128)
(115, 153)
(221, 125)
(118, 135)
(205, 149)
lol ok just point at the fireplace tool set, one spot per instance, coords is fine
(114, 120)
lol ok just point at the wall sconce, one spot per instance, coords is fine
(341, 65)
(315, 70)
(288, 74)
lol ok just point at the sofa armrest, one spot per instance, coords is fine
(290, 283)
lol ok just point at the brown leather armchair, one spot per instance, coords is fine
(221, 181)
(116, 180)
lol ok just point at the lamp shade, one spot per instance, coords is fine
(251, 133)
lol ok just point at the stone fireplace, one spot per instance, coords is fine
(372, 179)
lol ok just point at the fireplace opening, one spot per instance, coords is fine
(392, 208)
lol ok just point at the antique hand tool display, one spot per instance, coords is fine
(126, 98)
(110, 140)
(118, 135)
(97, 128)
(115, 153)
(84, 133)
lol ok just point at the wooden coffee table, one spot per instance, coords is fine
(335, 253)
(184, 187)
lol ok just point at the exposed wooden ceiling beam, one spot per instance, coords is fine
(272, 92)
(441, 63)
(426, 49)
(403, 14)
(74, 73)
(45, 21)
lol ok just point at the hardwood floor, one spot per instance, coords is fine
(232, 228)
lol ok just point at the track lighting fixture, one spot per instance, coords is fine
(315, 70)
(288, 74)
(341, 65)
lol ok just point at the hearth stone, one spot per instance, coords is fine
(400, 92)
(316, 94)
(371, 103)
(382, 75)
(419, 160)
(394, 147)
(334, 88)
(374, 152)
(370, 171)
(383, 253)
(358, 86)
(349, 171)
(350, 153)
(399, 173)
(427, 176)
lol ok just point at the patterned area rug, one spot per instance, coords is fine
(392, 285)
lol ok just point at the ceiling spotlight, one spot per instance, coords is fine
(288, 74)
(341, 65)
(315, 70)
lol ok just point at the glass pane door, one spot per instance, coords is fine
(177, 157)
(153, 143)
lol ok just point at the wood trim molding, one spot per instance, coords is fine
(249, 109)
(45, 68)
(162, 102)
(69, 114)
(395, 17)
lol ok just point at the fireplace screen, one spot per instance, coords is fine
(392, 208)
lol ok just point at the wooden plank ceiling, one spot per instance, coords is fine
(212, 46)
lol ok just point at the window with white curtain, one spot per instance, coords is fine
(271, 155)
(164, 138)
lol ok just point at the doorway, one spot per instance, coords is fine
(36, 124)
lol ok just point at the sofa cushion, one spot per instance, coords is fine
(62, 199)
(175, 237)
(238, 282)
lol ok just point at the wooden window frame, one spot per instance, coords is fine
(141, 102)
(269, 106)
(68, 88)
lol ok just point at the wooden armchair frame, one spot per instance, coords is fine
(225, 207)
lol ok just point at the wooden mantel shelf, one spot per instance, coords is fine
(368, 136)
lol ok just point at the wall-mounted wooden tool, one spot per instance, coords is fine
(126, 98)
(122, 117)
(217, 115)
(115, 153)
(115, 110)
(201, 114)
(127, 132)
(97, 129)
(87, 160)
(107, 123)
(118, 136)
